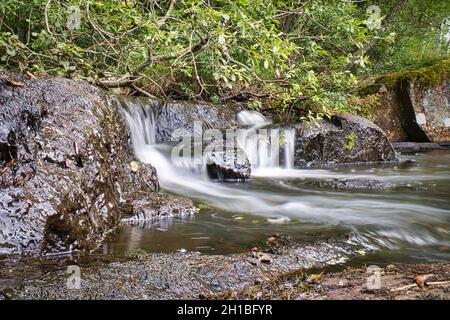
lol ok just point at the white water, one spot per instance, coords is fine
(262, 146)
(289, 147)
(388, 219)
(181, 180)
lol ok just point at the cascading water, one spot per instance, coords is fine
(289, 147)
(262, 144)
(403, 218)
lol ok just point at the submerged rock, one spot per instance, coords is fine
(181, 275)
(413, 147)
(147, 208)
(347, 184)
(64, 166)
(344, 138)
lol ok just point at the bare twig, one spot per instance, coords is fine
(436, 283)
(145, 93)
(47, 25)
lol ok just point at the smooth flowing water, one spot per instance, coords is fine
(395, 212)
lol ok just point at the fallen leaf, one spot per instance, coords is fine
(19, 180)
(30, 75)
(315, 277)
(264, 258)
(420, 280)
(134, 166)
(14, 83)
(390, 268)
(69, 163)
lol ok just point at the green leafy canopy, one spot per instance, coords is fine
(289, 56)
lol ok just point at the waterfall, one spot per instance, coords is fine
(142, 126)
(251, 118)
(289, 147)
(142, 122)
(262, 144)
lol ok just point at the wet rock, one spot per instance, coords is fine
(183, 116)
(64, 156)
(390, 117)
(148, 208)
(343, 139)
(230, 165)
(413, 112)
(348, 184)
(430, 108)
(181, 275)
(413, 147)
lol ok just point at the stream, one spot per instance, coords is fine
(392, 212)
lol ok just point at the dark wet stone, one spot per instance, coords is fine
(230, 165)
(347, 184)
(413, 147)
(64, 166)
(390, 116)
(344, 138)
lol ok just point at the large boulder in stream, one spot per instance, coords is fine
(345, 138)
(415, 104)
(426, 111)
(65, 165)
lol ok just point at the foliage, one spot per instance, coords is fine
(288, 56)
(363, 104)
(418, 37)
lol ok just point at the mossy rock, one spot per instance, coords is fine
(424, 77)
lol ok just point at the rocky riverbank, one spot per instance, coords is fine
(296, 273)
(65, 162)
(397, 282)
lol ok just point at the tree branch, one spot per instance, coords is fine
(131, 78)
(371, 43)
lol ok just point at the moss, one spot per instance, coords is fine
(363, 105)
(350, 141)
(425, 77)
